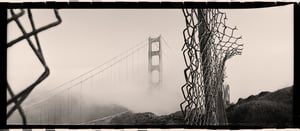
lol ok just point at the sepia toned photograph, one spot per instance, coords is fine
(153, 67)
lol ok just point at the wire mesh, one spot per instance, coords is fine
(15, 17)
(208, 43)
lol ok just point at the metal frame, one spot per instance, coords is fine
(20, 97)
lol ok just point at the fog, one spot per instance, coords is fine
(87, 38)
(121, 83)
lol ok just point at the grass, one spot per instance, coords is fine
(267, 109)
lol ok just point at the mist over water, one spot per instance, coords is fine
(108, 89)
(69, 55)
(129, 86)
(138, 98)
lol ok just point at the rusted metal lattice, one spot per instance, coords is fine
(17, 99)
(208, 43)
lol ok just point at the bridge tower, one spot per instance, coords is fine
(155, 62)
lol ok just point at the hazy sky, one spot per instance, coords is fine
(89, 37)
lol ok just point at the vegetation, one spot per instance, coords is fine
(148, 118)
(267, 109)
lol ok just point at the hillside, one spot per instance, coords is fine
(267, 109)
(148, 118)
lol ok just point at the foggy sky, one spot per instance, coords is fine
(89, 37)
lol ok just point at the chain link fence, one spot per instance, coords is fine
(15, 100)
(208, 43)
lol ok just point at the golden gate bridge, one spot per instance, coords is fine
(65, 104)
(208, 43)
